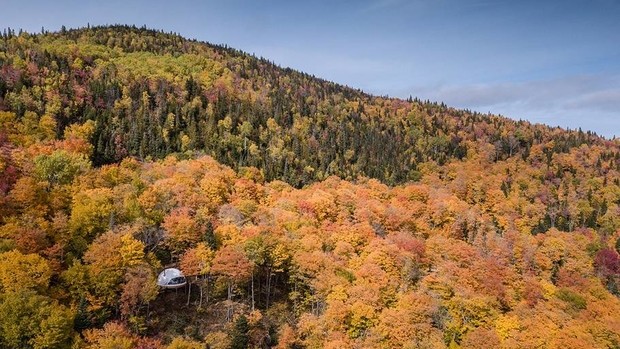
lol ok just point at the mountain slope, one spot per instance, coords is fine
(152, 94)
(124, 151)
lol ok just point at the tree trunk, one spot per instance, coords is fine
(268, 288)
(189, 292)
(208, 284)
(252, 290)
(229, 310)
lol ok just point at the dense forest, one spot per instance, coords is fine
(305, 214)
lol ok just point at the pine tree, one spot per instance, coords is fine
(82, 319)
(209, 237)
(240, 333)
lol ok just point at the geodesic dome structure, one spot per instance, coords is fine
(171, 278)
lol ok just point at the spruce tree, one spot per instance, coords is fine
(209, 237)
(240, 333)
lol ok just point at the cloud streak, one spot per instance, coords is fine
(566, 101)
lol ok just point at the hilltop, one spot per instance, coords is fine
(151, 94)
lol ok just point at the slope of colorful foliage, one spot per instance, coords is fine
(150, 94)
(431, 264)
(508, 238)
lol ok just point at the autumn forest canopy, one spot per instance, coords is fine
(303, 213)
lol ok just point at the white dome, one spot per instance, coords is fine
(171, 278)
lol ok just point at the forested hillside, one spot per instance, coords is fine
(152, 94)
(305, 214)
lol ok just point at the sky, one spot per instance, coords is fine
(552, 62)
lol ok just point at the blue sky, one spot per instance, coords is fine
(555, 62)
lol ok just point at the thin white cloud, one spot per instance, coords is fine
(588, 101)
(606, 100)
